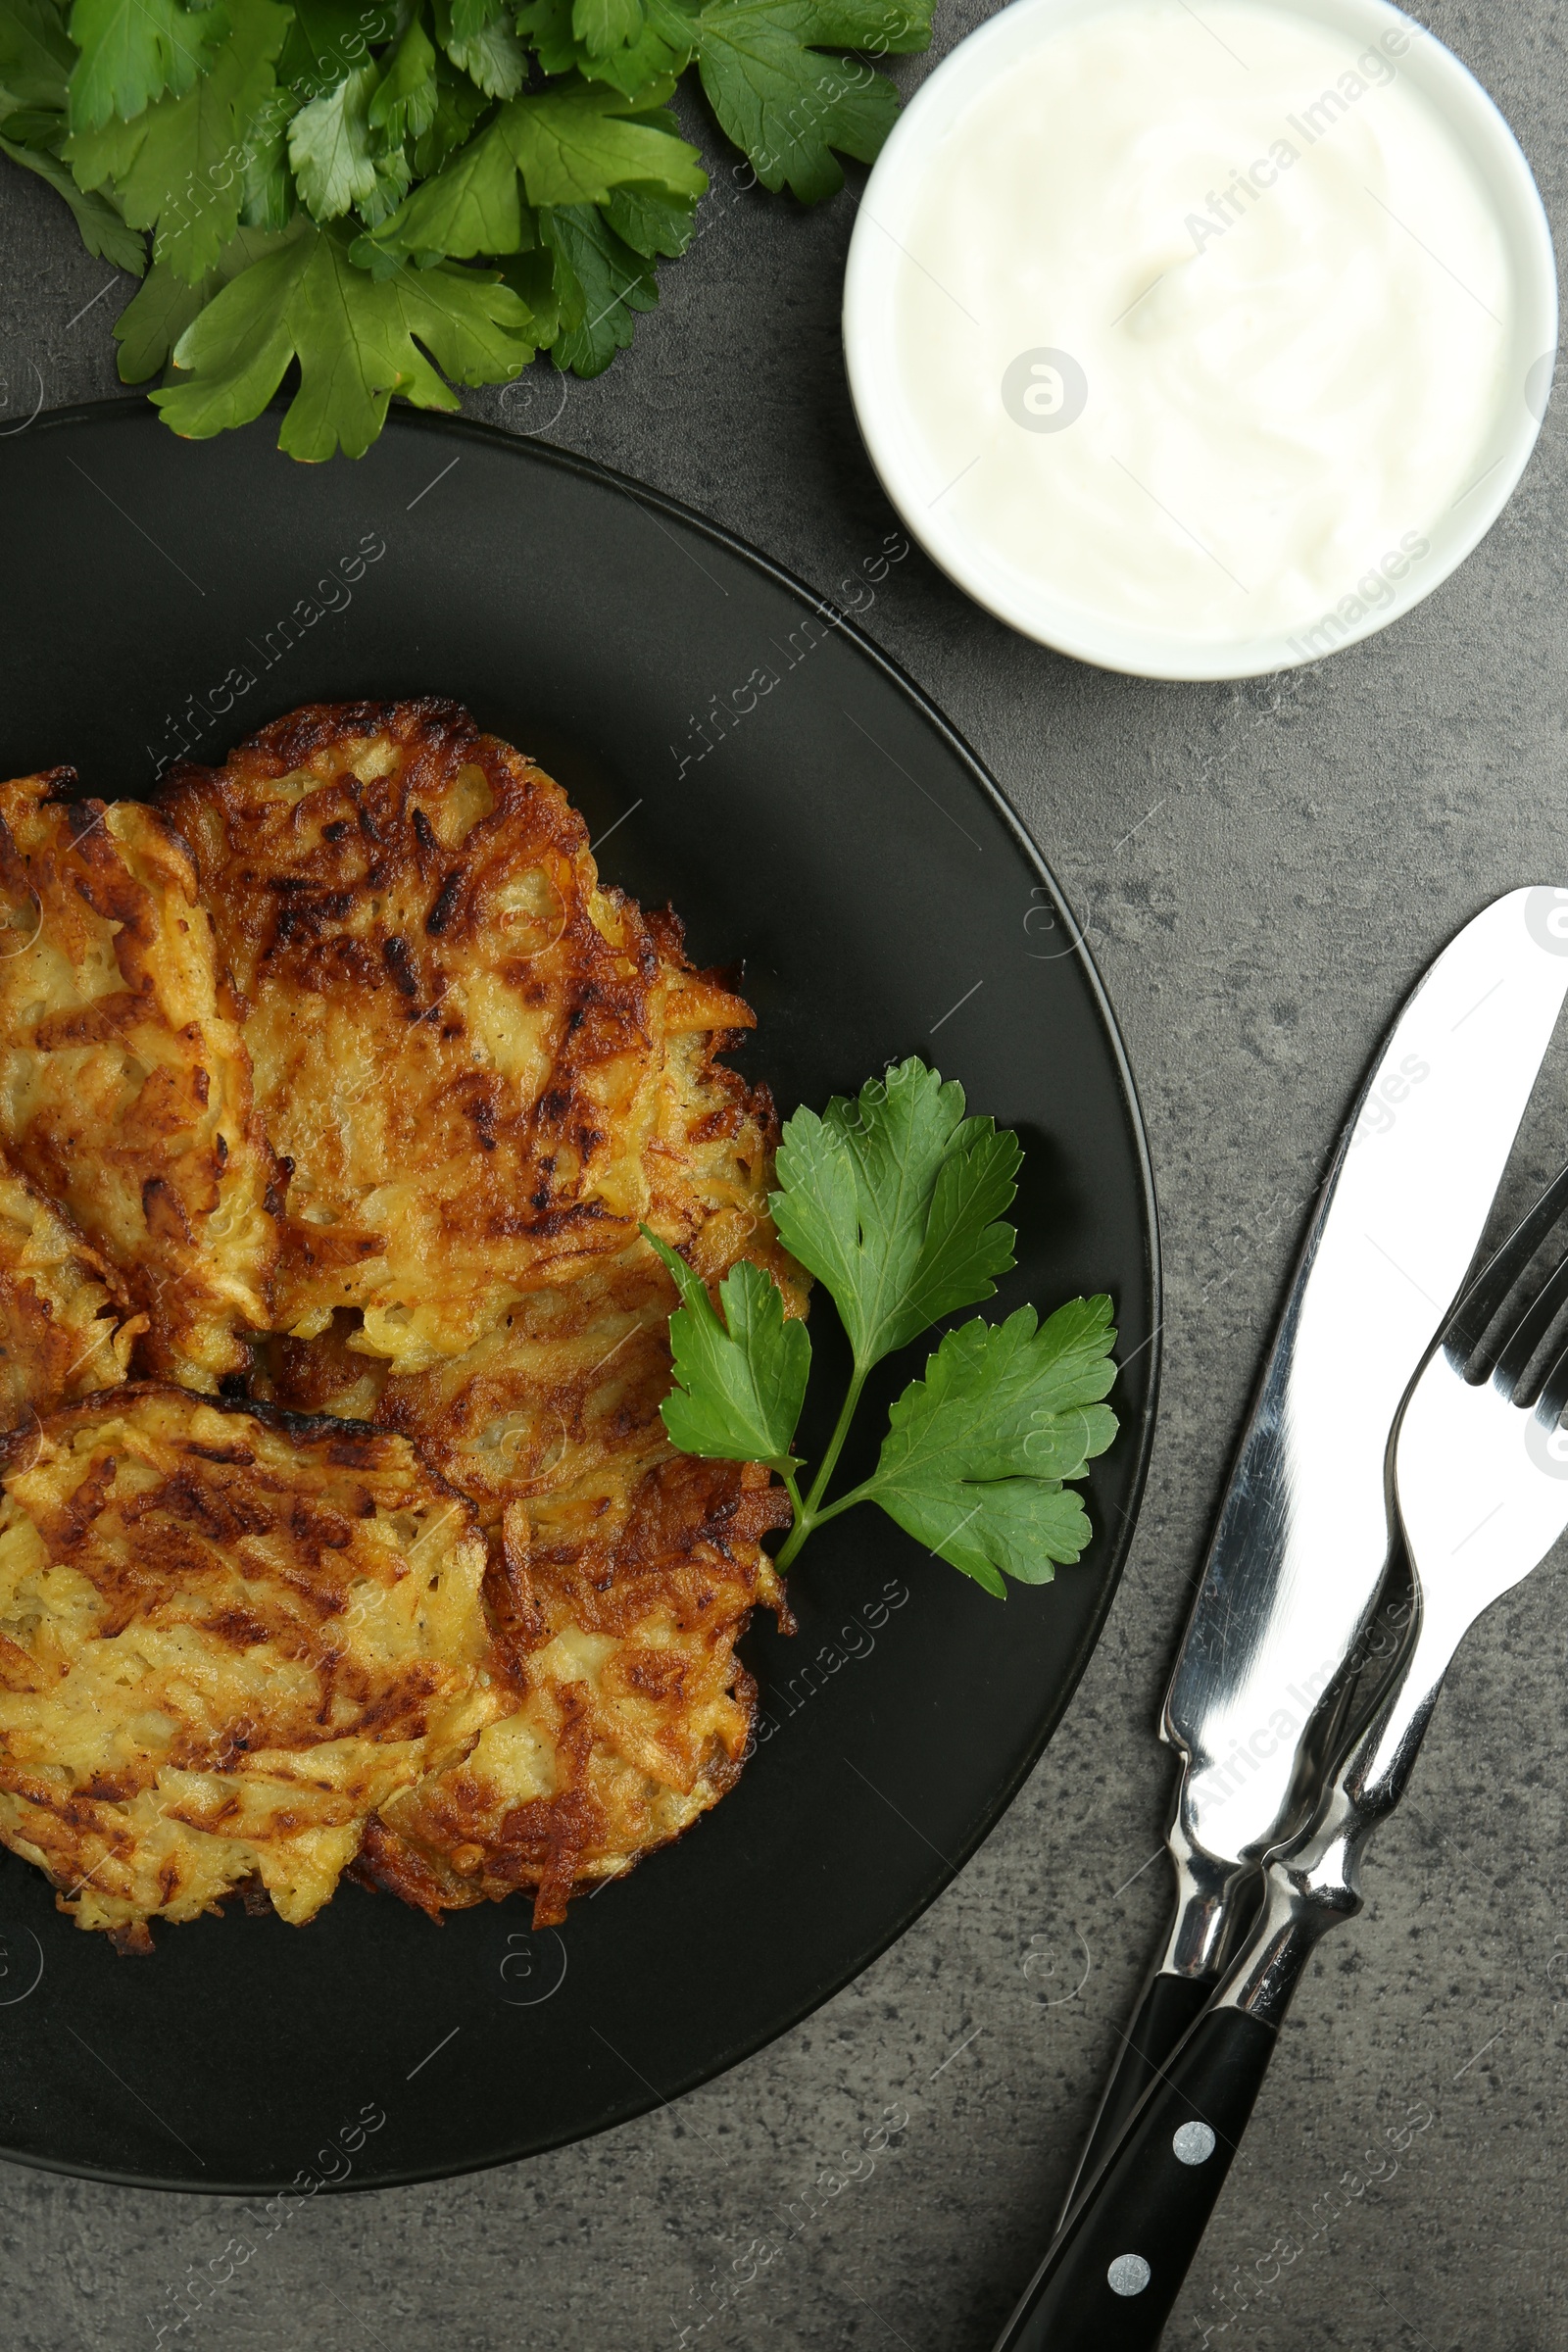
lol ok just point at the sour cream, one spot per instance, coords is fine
(1200, 327)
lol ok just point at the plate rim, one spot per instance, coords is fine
(134, 407)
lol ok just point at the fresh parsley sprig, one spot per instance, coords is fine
(895, 1202)
(366, 187)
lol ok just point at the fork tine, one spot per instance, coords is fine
(1554, 1398)
(1478, 1308)
(1521, 1343)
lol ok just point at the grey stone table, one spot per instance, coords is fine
(1263, 869)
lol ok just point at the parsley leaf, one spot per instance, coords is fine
(405, 103)
(574, 144)
(266, 186)
(393, 175)
(458, 106)
(740, 1381)
(329, 38)
(648, 223)
(471, 206)
(546, 26)
(599, 283)
(135, 50)
(892, 1200)
(606, 24)
(341, 161)
(591, 271)
(357, 340)
(329, 147)
(570, 146)
(662, 45)
(976, 1451)
(784, 102)
(600, 279)
(532, 276)
(163, 306)
(179, 168)
(475, 37)
(103, 232)
(35, 57)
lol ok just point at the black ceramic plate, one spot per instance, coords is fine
(832, 835)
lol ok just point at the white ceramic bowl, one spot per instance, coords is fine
(886, 213)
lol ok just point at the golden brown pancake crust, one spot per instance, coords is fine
(125, 1085)
(65, 1327)
(633, 1712)
(226, 1637)
(481, 1069)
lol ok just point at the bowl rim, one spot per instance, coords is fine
(1484, 136)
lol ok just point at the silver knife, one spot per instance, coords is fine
(1480, 1478)
(1302, 1544)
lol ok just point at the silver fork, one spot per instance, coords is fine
(1481, 1483)
(1480, 1477)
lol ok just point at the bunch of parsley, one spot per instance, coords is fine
(894, 1203)
(366, 187)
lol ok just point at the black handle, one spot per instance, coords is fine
(1170, 2006)
(1110, 2278)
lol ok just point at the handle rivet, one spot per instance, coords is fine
(1128, 2275)
(1193, 2143)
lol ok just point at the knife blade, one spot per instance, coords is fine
(1300, 1546)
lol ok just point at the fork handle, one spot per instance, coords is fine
(1110, 2281)
(1171, 2005)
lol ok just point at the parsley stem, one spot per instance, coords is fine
(845, 1503)
(835, 1443)
(787, 1474)
(804, 1524)
(811, 1513)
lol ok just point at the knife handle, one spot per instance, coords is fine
(1169, 2008)
(1113, 2275)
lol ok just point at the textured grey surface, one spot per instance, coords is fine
(1264, 869)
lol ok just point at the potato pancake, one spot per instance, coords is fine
(66, 1326)
(635, 1710)
(623, 1575)
(125, 1085)
(480, 1068)
(226, 1638)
